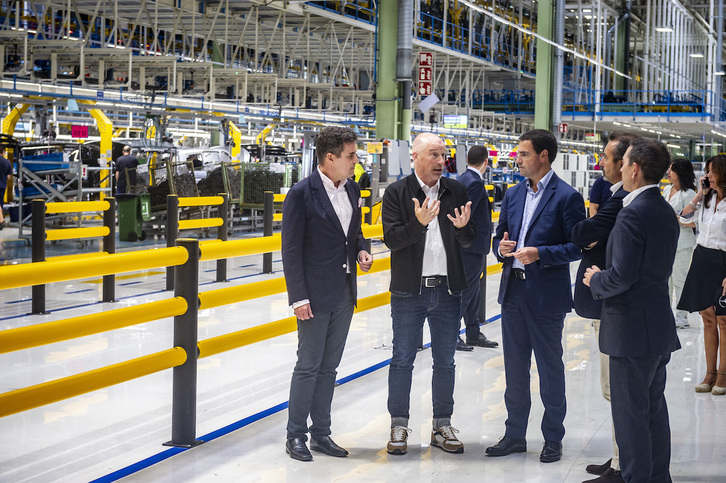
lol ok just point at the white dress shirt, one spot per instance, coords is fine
(711, 223)
(614, 188)
(434, 258)
(530, 206)
(343, 209)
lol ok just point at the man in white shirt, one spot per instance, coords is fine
(425, 224)
(321, 243)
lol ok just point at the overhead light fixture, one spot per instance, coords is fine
(719, 72)
(697, 56)
(665, 30)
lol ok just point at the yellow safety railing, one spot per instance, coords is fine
(200, 201)
(72, 328)
(26, 274)
(40, 235)
(49, 392)
(76, 206)
(72, 233)
(174, 224)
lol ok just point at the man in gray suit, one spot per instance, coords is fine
(637, 328)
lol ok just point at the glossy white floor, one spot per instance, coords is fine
(119, 431)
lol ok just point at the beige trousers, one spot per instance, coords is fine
(605, 387)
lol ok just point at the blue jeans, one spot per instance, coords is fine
(408, 312)
(321, 341)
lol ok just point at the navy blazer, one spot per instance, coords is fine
(594, 229)
(481, 212)
(548, 279)
(316, 252)
(637, 320)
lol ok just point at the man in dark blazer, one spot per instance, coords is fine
(475, 255)
(591, 236)
(321, 243)
(425, 224)
(637, 329)
(533, 240)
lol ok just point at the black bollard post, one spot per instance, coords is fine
(172, 232)
(483, 288)
(222, 232)
(267, 229)
(368, 218)
(184, 402)
(109, 246)
(38, 251)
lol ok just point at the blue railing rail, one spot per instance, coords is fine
(680, 103)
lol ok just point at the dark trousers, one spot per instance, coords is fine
(321, 341)
(524, 332)
(640, 417)
(409, 311)
(471, 295)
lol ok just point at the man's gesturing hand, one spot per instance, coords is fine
(462, 215)
(425, 213)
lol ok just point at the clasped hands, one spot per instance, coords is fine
(427, 212)
(525, 255)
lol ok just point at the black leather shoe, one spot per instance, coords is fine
(610, 476)
(460, 346)
(482, 341)
(599, 469)
(298, 450)
(551, 452)
(506, 446)
(325, 444)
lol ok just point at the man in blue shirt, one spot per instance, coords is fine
(533, 241)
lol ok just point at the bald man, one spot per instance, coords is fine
(425, 224)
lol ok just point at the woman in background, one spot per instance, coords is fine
(706, 280)
(678, 194)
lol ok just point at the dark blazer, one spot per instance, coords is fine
(406, 237)
(315, 250)
(548, 279)
(637, 320)
(481, 212)
(594, 229)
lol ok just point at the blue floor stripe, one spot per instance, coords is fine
(152, 460)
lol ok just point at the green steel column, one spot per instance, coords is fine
(387, 103)
(217, 53)
(545, 52)
(621, 51)
(405, 125)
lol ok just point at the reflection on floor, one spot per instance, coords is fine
(242, 393)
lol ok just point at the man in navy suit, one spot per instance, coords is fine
(533, 240)
(592, 236)
(475, 256)
(637, 328)
(321, 242)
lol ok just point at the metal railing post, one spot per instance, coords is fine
(109, 246)
(222, 232)
(267, 229)
(483, 289)
(172, 232)
(368, 217)
(38, 251)
(184, 402)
